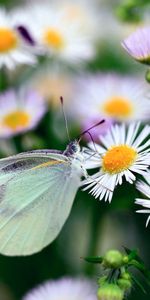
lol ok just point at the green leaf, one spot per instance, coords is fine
(132, 254)
(141, 268)
(94, 259)
(138, 284)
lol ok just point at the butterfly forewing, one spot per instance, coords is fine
(36, 198)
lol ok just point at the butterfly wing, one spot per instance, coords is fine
(36, 196)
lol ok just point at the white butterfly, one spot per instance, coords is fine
(37, 190)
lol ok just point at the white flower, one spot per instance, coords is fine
(123, 152)
(54, 35)
(144, 188)
(111, 96)
(20, 111)
(65, 288)
(13, 49)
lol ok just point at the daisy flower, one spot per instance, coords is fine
(123, 153)
(19, 111)
(144, 188)
(13, 49)
(113, 97)
(138, 45)
(53, 35)
(66, 288)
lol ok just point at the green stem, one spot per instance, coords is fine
(4, 81)
(18, 143)
(97, 215)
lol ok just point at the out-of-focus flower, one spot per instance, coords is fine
(13, 49)
(138, 45)
(122, 154)
(112, 97)
(51, 84)
(85, 12)
(144, 188)
(20, 112)
(65, 288)
(54, 35)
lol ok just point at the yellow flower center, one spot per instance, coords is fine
(118, 159)
(17, 119)
(8, 40)
(53, 38)
(118, 107)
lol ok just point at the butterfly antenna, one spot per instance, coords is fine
(65, 119)
(88, 132)
(95, 125)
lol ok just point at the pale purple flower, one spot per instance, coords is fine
(20, 111)
(138, 45)
(112, 97)
(65, 288)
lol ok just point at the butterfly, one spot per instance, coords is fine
(37, 190)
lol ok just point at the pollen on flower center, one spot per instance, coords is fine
(118, 107)
(53, 38)
(16, 119)
(118, 159)
(8, 39)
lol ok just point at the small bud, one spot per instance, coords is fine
(113, 259)
(147, 76)
(124, 284)
(102, 280)
(110, 292)
(125, 259)
(126, 275)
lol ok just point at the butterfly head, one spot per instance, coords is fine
(72, 149)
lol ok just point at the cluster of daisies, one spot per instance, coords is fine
(60, 31)
(66, 33)
(124, 151)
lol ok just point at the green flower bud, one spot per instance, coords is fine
(124, 284)
(110, 292)
(147, 75)
(126, 275)
(102, 280)
(125, 259)
(113, 259)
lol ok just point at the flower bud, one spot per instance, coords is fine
(147, 76)
(126, 275)
(124, 284)
(125, 259)
(110, 292)
(113, 259)
(102, 280)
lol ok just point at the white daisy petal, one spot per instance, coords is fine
(144, 188)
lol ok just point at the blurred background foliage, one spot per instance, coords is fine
(93, 226)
